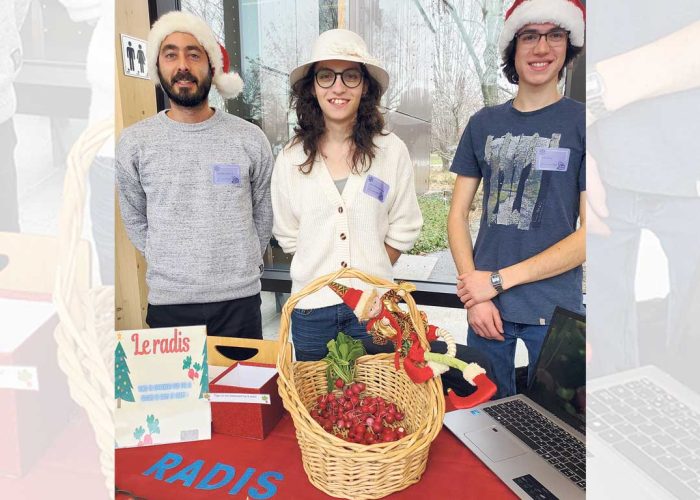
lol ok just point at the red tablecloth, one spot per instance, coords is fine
(452, 472)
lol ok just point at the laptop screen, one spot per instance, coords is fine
(559, 384)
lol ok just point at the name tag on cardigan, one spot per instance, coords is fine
(376, 188)
(226, 174)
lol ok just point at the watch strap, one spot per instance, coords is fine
(497, 281)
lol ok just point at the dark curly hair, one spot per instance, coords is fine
(311, 125)
(509, 60)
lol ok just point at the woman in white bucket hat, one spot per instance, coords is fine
(343, 194)
(342, 189)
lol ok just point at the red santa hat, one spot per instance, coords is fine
(357, 300)
(569, 14)
(228, 84)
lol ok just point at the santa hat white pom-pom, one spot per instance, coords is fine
(229, 85)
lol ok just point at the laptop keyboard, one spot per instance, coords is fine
(653, 429)
(566, 453)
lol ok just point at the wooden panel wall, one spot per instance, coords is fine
(135, 100)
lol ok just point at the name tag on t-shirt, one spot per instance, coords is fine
(555, 159)
(376, 188)
(226, 173)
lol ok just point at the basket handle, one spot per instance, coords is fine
(284, 355)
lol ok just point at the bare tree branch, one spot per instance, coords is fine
(465, 38)
(427, 20)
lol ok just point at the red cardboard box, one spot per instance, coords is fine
(245, 401)
(34, 400)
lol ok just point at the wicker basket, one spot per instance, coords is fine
(349, 470)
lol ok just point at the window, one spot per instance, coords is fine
(444, 65)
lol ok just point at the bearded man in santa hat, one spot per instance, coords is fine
(194, 188)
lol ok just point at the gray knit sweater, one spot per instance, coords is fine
(195, 200)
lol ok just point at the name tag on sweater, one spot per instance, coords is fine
(376, 188)
(226, 174)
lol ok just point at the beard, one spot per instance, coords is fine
(186, 97)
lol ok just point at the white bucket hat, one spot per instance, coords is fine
(342, 45)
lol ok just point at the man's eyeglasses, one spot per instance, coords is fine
(554, 38)
(351, 77)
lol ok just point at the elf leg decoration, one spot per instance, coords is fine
(415, 367)
(472, 373)
(435, 333)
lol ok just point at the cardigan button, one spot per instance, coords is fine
(340, 210)
(342, 236)
(343, 264)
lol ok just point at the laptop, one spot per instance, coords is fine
(535, 442)
(644, 436)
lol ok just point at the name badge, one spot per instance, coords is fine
(376, 188)
(556, 159)
(226, 174)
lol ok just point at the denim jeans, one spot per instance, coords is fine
(502, 353)
(313, 328)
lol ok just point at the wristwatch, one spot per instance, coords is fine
(497, 281)
(595, 89)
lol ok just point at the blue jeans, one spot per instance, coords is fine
(313, 328)
(502, 354)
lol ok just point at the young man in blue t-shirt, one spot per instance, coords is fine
(531, 155)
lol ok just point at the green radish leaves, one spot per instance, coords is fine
(342, 353)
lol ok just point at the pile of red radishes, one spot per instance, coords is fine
(358, 419)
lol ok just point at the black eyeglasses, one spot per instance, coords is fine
(554, 38)
(351, 77)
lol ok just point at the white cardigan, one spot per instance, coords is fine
(326, 230)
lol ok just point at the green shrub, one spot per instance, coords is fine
(433, 236)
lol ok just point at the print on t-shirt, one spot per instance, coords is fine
(517, 191)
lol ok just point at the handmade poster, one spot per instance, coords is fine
(161, 380)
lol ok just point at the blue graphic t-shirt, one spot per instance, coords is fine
(533, 170)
